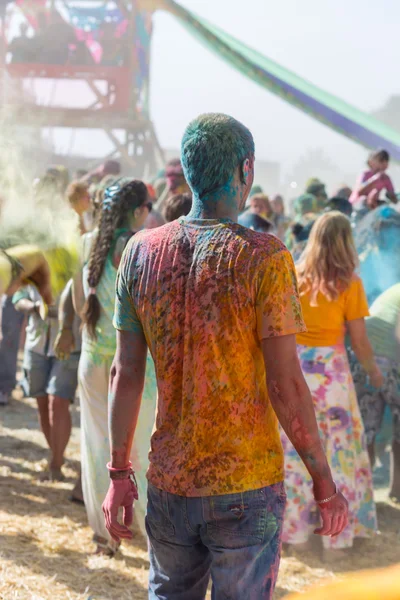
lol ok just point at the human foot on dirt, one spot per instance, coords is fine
(51, 474)
(56, 475)
(104, 547)
(44, 475)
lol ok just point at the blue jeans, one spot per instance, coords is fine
(11, 325)
(235, 539)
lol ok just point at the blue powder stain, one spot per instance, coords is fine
(213, 146)
(377, 238)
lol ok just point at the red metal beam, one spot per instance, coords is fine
(43, 71)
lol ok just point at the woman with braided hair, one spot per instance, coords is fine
(124, 209)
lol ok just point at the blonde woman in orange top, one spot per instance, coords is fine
(333, 303)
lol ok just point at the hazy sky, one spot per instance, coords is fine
(348, 47)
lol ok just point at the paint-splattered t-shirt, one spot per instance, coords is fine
(205, 293)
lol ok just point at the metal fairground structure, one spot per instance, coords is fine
(95, 59)
(106, 46)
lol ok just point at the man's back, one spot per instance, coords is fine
(218, 306)
(205, 293)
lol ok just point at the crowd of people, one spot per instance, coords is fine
(193, 266)
(55, 42)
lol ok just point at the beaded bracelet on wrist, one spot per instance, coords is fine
(326, 500)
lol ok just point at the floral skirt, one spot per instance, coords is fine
(328, 376)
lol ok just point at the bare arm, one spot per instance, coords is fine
(78, 296)
(392, 197)
(66, 311)
(368, 186)
(363, 350)
(293, 405)
(26, 306)
(65, 341)
(34, 268)
(126, 388)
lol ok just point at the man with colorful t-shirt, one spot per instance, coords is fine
(217, 305)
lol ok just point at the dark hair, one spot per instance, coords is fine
(381, 155)
(344, 192)
(301, 232)
(317, 189)
(213, 146)
(120, 199)
(255, 222)
(177, 206)
(340, 204)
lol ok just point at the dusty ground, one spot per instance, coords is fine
(45, 544)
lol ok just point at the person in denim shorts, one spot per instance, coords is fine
(51, 381)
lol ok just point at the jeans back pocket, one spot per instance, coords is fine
(245, 519)
(157, 516)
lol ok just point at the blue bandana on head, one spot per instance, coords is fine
(112, 195)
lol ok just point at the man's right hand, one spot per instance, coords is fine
(64, 344)
(121, 493)
(376, 377)
(334, 515)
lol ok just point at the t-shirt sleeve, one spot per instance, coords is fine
(22, 294)
(125, 314)
(278, 304)
(356, 306)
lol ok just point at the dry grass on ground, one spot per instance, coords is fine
(45, 543)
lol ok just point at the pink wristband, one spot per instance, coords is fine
(114, 470)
